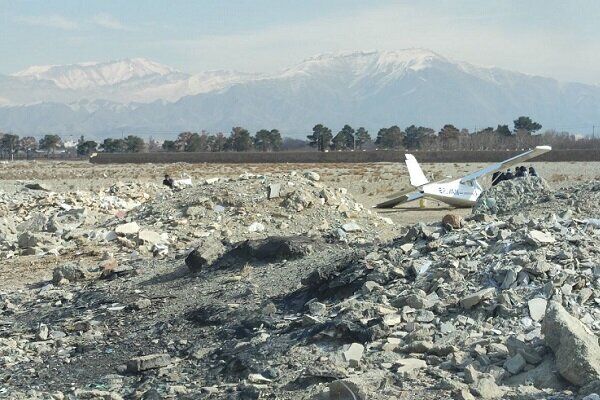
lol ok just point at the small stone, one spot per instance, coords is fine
(142, 303)
(72, 273)
(540, 238)
(152, 361)
(515, 364)
(463, 394)
(392, 319)
(42, 333)
(256, 227)
(351, 227)
(258, 378)
(407, 247)
(486, 388)
(410, 366)
(130, 228)
(472, 300)
(537, 308)
(316, 308)
(454, 221)
(313, 176)
(150, 237)
(353, 354)
(205, 255)
(274, 190)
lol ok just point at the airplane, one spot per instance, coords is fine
(460, 192)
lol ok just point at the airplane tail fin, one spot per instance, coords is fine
(417, 178)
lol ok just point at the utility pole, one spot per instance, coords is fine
(593, 131)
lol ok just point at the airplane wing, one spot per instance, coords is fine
(520, 158)
(398, 200)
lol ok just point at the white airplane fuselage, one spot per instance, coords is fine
(453, 193)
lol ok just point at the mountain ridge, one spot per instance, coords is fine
(363, 88)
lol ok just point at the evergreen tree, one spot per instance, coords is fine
(114, 145)
(240, 139)
(320, 138)
(344, 139)
(276, 140)
(390, 138)
(503, 130)
(526, 124)
(362, 138)
(50, 143)
(169, 145)
(86, 147)
(134, 144)
(262, 140)
(415, 136)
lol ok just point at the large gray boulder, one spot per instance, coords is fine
(576, 349)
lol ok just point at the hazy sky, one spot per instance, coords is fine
(553, 38)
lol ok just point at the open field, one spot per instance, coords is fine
(369, 183)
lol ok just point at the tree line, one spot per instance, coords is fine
(523, 134)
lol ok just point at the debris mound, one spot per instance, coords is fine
(500, 307)
(515, 195)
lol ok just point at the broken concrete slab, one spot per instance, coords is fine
(576, 349)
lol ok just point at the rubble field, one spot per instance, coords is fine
(267, 282)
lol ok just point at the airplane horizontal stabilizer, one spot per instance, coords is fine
(399, 200)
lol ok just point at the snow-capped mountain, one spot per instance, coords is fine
(95, 74)
(371, 89)
(125, 81)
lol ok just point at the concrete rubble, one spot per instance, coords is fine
(497, 305)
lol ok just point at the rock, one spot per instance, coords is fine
(256, 227)
(274, 248)
(27, 240)
(540, 238)
(316, 308)
(577, 351)
(358, 387)
(353, 353)
(486, 388)
(150, 237)
(95, 394)
(473, 299)
(35, 186)
(42, 333)
(592, 396)
(36, 223)
(463, 394)
(274, 190)
(515, 364)
(454, 221)
(142, 303)
(72, 273)
(152, 361)
(410, 366)
(130, 228)
(351, 227)
(205, 255)
(544, 376)
(537, 308)
(313, 176)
